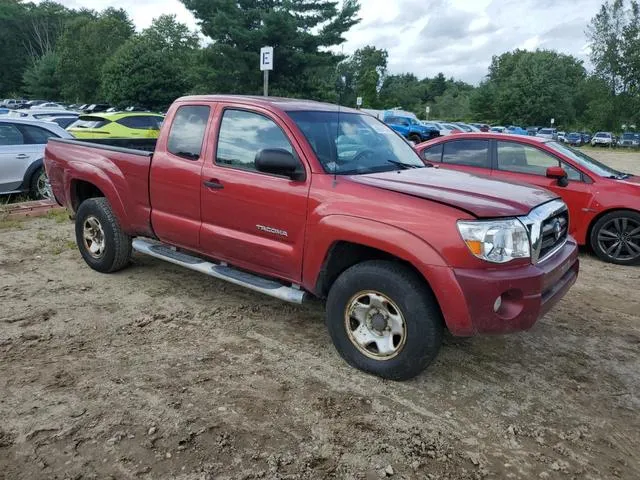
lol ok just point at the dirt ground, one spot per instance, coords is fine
(159, 372)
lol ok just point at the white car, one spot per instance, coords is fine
(549, 133)
(604, 139)
(39, 114)
(561, 136)
(52, 105)
(444, 128)
(22, 145)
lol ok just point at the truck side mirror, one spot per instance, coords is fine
(278, 161)
(559, 174)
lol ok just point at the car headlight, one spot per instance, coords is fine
(497, 241)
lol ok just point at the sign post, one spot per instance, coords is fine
(266, 64)
(428, 109)
(553, 120)
(359, 102)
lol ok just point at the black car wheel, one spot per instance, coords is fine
(615, 238)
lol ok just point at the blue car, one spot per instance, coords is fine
(412, 129)
(516, 130)
(574, 139)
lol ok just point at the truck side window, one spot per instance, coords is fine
(187, 131)
(433, 154)
(474, 153)
(243, 134)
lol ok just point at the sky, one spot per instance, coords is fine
(424, 37)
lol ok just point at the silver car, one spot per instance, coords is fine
(22, 145)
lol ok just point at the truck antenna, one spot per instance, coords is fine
(341, 84)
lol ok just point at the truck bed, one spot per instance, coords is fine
(119, 168)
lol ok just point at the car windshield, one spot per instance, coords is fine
(351, 143)
(629, 136)
(586, 161)
(545, 131)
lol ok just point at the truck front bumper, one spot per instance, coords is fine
(503, 300)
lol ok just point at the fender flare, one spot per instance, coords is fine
(369, 233)
(86, 172)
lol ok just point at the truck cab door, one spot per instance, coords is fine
(249, 218)
(175, 178)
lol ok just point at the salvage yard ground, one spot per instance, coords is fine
(159, 372)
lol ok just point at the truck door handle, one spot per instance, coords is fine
(22, 156)
(213, 184)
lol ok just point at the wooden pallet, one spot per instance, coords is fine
(29, 209)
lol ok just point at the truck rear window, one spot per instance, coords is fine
(187, 131)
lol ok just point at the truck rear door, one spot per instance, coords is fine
(250, 218)
(175, 179)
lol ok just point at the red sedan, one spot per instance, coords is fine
(604, 204)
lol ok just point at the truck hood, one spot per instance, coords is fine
(478, 195)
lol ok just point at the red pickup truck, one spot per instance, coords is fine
(293, 198)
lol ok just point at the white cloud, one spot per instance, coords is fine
(456, 37)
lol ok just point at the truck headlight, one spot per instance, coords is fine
(497, 241)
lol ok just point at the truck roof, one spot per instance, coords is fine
(282, 103)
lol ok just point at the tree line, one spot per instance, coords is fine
(49, 51)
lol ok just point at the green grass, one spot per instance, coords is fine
(59, 215)
(10, 223)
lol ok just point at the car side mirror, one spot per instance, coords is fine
(278, 161)
(559, 174)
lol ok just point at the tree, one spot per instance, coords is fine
(154, 68)
(41, 78)
(302, 33)
(85, 46)
(530, 88)
(364, 73)
(13, 61)
(140, 74)
(404, 90)
(605, 34)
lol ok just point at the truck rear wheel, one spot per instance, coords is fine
(102, 243)
(415, 138)
(384, 320)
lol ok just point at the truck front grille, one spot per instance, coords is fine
(554, 233)
(548, 227)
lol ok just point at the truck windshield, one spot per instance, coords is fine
(357, 144)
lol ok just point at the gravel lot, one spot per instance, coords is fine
(159, 372)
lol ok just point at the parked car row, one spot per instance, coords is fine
(24, 134)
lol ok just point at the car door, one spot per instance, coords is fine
(20, 146)
(528, 164)
(466, 155)
(249, 218)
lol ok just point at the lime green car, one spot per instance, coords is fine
(117, 125)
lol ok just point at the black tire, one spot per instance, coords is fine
(117, 245)
(35, 189)
(415, 138)
(617, 229)
(422, 317)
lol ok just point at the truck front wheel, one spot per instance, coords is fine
(383, 319)
(102, 243)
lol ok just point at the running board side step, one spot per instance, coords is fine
(229, 274)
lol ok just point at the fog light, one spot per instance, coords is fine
(497, 304)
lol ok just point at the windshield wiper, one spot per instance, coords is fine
(404, 166)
